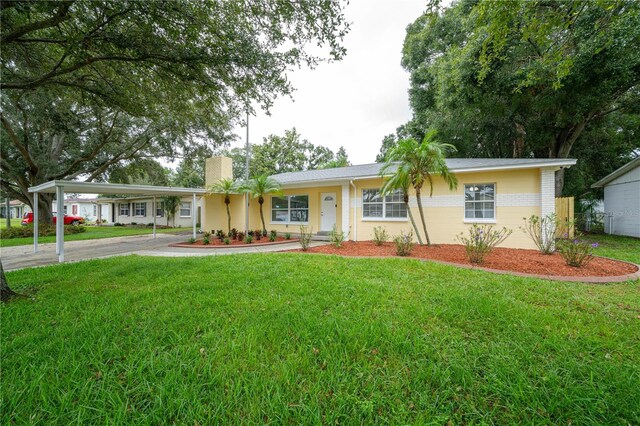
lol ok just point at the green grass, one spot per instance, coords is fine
(304, 339)
(14, 222)
(616, 247)
(92, 233)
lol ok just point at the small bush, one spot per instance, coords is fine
(404, 243)
(274, 233)
(257, 234)
(305, 237)
(287, 235)
(226, 241)
(118, 224)
(206, 241)
(481, 240)
(71, 229)
(272, 237)
(248, 239)
(220, 234)
(336, 238)
(240, 236)
(150, 224)
(234, 233)
(380, 235)
(134, 223)
(206, 234)
(191, 240)
(576, 252)
(543, 231)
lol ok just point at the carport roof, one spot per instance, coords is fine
(113, 188)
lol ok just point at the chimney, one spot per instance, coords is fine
(216, 169)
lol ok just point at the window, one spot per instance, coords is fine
(95, 210)
(291, 208)
(185, 209)
(139, 209)
(124, 209)
(66, 209)
(159, 210)
(375, 206)
(479, 201)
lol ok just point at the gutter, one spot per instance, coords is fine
(355, 208)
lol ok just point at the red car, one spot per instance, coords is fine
(68, 220)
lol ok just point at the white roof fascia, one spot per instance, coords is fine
(112, 188)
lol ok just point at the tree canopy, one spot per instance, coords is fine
(87, 85)
(527, 78)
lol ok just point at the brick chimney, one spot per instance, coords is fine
(216, 169)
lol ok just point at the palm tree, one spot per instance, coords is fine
(260, 186)
(400, 180)
(225, 187)
(420, 161)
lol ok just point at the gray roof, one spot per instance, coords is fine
(455, 165)
(616, 174)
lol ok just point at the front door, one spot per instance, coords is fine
(328, 207)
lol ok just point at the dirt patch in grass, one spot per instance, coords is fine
(505, 259)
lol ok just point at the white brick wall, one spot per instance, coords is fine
(547, 192)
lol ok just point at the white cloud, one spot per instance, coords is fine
(355, 102)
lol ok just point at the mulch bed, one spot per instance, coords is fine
(505, 259)
(215, 242)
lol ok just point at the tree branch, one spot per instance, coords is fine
(33, 168)
(60, 16)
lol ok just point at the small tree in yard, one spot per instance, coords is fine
(258, 187)
(225, 187)
(5, 292)
(171, 204)
(400, 181)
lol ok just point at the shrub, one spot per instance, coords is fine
(220, 234)
(134, 223)
(481, 240)
(543, 231)
(272, 237)
(226, 241)
(150, 224)
(287, 235)
(380, 235)
(191, 240)
(336, 238)
(264, 233)
(257, 234)
(70, 229)
(305, 237)
(206, 234)
(234, 233)
(118, 224)
(404, 243)
(206, 241)
(240, 236)
(576, 252)
(248, 239)
(274, 233)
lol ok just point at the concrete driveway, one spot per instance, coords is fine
(23, 256)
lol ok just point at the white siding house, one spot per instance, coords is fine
(140, 211)
(622, 200)
(88, 208)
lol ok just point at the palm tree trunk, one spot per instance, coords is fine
(413, 222)
(264, 227)
(228, 219)
(424, 224)
(5, 292)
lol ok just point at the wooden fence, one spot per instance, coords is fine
(564, 213)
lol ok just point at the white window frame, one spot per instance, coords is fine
(159, 208)
(384, 203)
(120, 205)
(144, 209)
(183, 203)
(289, 221)
(95, 210)
(466, 219)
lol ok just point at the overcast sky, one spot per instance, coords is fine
(354, 102)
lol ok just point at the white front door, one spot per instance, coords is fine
(328, 206)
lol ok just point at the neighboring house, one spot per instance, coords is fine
(17, 209)
(500, 192)
(140, 210)
(622, 200)
(89, 208)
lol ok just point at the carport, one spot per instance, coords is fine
(60, 187)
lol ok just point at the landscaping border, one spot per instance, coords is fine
(594, 280)
(233, 246)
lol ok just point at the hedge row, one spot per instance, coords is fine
(43, 231)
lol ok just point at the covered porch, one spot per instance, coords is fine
(60, 187)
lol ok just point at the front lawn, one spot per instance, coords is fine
(92, 233)
(300, 339)
(616, 247)
(14, 222)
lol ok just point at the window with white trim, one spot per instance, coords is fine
(377, 206)
(185, 209)
(290, 209)
(480, 201)
(139, 209)
(95, 210)
(124, 209)
(159, 210)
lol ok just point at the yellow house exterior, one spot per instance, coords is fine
(500, 192)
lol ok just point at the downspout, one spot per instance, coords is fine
(355, 208)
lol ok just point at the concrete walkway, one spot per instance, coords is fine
(23, 256)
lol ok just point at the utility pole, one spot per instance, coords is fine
(246, 177)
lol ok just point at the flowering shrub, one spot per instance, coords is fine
(380, 235)
(404, 243)
(543, 230)
(576, 252)
(481, 240)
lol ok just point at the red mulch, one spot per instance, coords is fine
(216, 242)
(506, 259)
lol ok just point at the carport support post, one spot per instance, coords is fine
(35, 221)
(193, 214)
(154, 213)
(60, 222)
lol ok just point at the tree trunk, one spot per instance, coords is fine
(5, 292)
(264, 227)
(413, 222)
(228, 219)
(424, 223)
